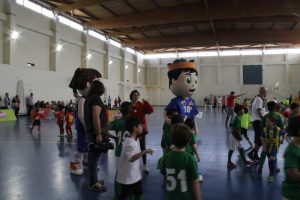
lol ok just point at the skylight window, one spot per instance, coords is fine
(115, 43)
(97, 35)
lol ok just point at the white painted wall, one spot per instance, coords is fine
(220, 75)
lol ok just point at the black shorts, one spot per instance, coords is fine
(257, 131)
(244, 132)
(37, 123)
(135, 189)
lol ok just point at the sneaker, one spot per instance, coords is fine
(146, 169)
(277, 171)
(200, 178)
(231, 165)
(76, 169)
(248, 163)
(270, 179)
(259, 170)
(97, 186)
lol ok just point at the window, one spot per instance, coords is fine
(130, 50)
(76, 26)
(47, 13)
(115, 43)
(97, 35)
(32, 6)
(21, 2)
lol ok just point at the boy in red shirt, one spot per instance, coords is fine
(60, 119)
(69, 121)
(36, 120)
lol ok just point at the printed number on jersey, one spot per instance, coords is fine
(174, 179)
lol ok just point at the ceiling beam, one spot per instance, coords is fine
(127, 31)
(197, 11)
(79, 4)
(224, 37)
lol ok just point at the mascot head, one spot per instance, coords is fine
(182, 77)
(82, 80)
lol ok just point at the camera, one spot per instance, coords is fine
(101, 148)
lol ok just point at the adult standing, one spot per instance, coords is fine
(29, 103)
(16, 105)
(140, 109)
(297, 99)
(230, 107)
(257, 115)
(7, 101)
(95, 121)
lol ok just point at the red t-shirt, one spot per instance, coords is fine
(69, 118)
(37, 116)
(60, 117)
(230, 100)
(140, 110)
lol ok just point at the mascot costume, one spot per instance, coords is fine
(182, 83)
(80, 83)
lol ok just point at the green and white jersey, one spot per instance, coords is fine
(180, 170)
(119, 127)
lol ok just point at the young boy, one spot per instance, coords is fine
(191, 147)
(166, 137)
(270, 137)
(291, 184)
(69, 121)
(235, 139)
(118, 126)
(245, 123)
(130, 165)
(180, 168)
(36, 120)
(60, 119)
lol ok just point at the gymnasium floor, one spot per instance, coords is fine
(36, 166)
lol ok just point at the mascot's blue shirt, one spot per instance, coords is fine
(186, 107)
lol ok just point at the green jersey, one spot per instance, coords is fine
(278, 116)
(189, 146)
(236, 128)
(166, 137)
(121, 133)
(291, 189)
(180, 170)
(245, 121)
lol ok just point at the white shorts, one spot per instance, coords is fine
(234, 144)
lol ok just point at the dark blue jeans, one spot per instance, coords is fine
(93, 159)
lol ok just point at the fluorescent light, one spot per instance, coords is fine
(89, 56)
(130, 50)
(139, 70)
(126, 66)
(110, 62)
(58, 47)
(14, 35)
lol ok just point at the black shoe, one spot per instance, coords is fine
(277, 171)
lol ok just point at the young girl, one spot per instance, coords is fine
(69, 121)
(60, 119)
(291, 184)
(36, 120)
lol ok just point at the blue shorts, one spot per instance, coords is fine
(81, 142)
(272, 154)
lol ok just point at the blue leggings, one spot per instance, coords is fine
(81, 141)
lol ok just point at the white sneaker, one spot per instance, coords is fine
(146, 169)
(200, 178)
(76, 169)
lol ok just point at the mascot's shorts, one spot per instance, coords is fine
(81, 142)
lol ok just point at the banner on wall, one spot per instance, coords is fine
(7, 115)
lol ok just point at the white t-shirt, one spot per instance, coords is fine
(257, 105)
(129, 172)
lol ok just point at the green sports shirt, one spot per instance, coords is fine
(181, 171)
(121, 133)
(278, 116)
(291, 189)
(236, 128)
(166, 137)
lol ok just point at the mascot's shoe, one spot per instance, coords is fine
(76, 169)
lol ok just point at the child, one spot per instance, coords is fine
(119, 127)
(291, 184)
(36, 120)
(69, 121)
(191, 147)
(235, 138)
(116, 103)
(166, 137)
(130, 165)
(223, 104)
(180, 168)
(245, 122)
(60, 119)
(270, 137)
